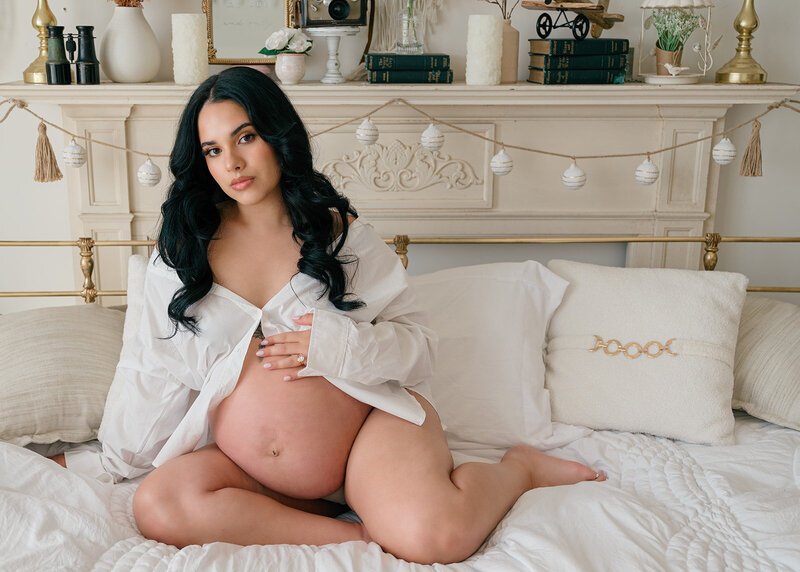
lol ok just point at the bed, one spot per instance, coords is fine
(692, 484)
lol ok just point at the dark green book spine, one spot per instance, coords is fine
(561, 77)
(410, 76)
(614, 62)
(407, 61)
(566, 47)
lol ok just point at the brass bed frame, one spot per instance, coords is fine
(401, 243)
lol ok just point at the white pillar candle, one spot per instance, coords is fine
(484, 49)
(189, 48)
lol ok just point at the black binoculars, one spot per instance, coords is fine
(58, 66)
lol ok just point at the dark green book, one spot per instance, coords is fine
(545, 62)
(376, 61)
(560, 77)
(410, 76)
(567, 47)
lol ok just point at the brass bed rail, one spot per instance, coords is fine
(401, 243)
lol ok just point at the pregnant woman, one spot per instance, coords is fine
(280, 368)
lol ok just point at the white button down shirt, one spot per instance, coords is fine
(164, 389)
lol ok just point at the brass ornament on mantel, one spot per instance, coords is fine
(42, 17)
(743, 69)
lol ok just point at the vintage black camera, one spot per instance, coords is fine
(325, 13)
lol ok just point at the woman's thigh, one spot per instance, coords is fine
(396, 467)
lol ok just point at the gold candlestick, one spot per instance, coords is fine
(743, 68)
(42, 18)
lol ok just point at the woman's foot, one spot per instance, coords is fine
(547, 471)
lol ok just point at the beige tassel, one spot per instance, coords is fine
(47, 169)
(751, 160)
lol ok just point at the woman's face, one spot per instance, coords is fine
(241, 162)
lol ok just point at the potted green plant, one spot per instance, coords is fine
(674, 26)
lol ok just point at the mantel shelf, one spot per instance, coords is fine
(360, 93)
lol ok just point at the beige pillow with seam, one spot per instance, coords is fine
(56, 365)
(766, 371)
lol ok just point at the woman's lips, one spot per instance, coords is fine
(241, 183)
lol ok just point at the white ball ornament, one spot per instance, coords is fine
(574, 177)
(647, 172)
(501, 163)
(432, 139)
(367, 133)
(74, 155)
(724, 152)
(149, 174)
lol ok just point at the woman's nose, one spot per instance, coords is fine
(235, 161)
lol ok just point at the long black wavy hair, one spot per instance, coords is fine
(189, 214)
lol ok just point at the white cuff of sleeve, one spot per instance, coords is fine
(328, 345)
(87, 463)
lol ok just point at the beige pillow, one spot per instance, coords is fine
(767, 367)
(56, 365)
(678, 329)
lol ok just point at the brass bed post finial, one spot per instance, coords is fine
(712, 247)
(87, 265)
(401, 248)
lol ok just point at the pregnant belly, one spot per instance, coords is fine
(294, 437)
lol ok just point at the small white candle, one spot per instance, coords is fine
(189, 48)
(484, 49)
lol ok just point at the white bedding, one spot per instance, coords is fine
(666, 506)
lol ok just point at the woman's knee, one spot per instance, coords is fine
(427, 539)
(158, 507)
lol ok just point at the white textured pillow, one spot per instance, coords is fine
(767, 369)
(489, 380)
(56, 365)
(693, 314)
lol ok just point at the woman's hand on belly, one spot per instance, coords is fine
(294, 438)
(286, 350)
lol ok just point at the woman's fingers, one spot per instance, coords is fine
(284, 362)
(287, 337)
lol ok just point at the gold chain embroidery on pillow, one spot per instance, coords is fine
(614, 347)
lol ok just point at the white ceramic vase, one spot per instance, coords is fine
(129, 50)
(290, 68)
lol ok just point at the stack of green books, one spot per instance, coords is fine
(408, 68)
(567, 61)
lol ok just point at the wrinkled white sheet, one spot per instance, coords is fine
(666, 506)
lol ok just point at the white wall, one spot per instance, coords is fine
(769, 205)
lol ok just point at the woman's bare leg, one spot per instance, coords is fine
(204, 497)
(400, 480)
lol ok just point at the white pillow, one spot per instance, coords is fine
(137, 268)
(767, 369)
(56, 365)
(693, 314)
(489, 379)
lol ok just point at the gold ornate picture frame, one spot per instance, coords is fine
(233, 28)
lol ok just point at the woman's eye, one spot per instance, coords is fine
(247, 137)
(212, 152)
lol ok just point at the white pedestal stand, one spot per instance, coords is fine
(333, 35)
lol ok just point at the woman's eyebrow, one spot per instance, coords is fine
(233, 133)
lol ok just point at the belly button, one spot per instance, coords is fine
(275, 452)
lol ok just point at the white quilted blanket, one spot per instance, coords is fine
(666, 506)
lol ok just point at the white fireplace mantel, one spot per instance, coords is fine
(402, 188)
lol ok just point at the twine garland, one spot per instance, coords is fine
(47, 167)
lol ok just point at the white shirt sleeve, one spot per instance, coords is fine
(147, 399)
(391, 342)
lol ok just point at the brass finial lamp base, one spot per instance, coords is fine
(43, 17)
(743, 69)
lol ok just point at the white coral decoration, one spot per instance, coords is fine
(299, 43)
(279, 39)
